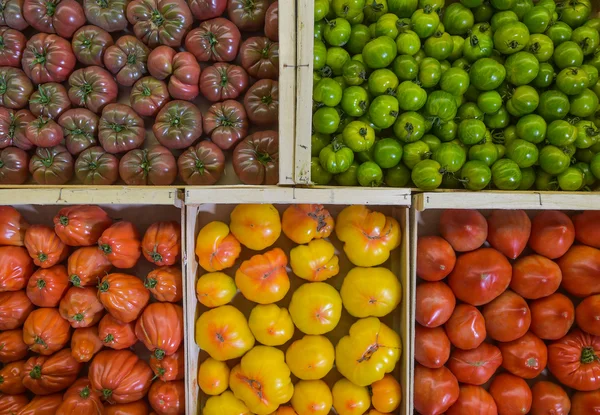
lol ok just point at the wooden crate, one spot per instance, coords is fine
(206, 205)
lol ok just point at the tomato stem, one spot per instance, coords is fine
(156, 257)
(109, 338)
(78, 317)
(36, 372)
(64, 220)
(159, 354)
(103, 287)
(42, 256)
(588, 355)
(150, 283)
(41, 284)
(75, 280)
(85, 393)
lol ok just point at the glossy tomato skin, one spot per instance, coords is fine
(511, 393)
(92, 87)
(63, 17)
(573, 360)
(16, 307)
(262, 102)
(583, 403)
(96, 167)
(80, 128)
(587, 228)
(535, 276)
(120, 129)
(256, 158)
(579, 266)
(552, 316)
(207, 9)
(223, 32)
(16, 86)
(466, 230)
(109, 15)
(58, 58)
(432, 347)
(178, 125)
(260, 57)
(14, 164)
(466, 282)
(473, 400)
(586, 315)
(272, 22)
(525, 357)
(16, 266)
(201, 164)
(127, 60)
(248, 15)
(52, 165)
(13, 44)
(183, 84)
(12, 15)
(507, 317)
(81, 225)
(466, 327)
(154, 166)
(13, 346)
(552, 234)
(44, 132)
(20, 121)
(549, 398)
(434, 303)
(508, 231)
(148, 96)
(89, 44)
(435, 390)
(226, 123)
(435, 258)
(176, 19)
(50, 100)
(160, 62)
(223, 81)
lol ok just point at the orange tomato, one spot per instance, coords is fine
(285, 410)
(316, 261)
(350, 399)
(215, 289)
(256, 226)
(375, 412)
(368, 236)
(263, 278)
(226, 403)
(312, 397)
(271, 325)
(370, 292)
(316, 308)
(224, 333)
(311, 357)
(213, 376)
(216, 248)
(387, 394)
(303, 223)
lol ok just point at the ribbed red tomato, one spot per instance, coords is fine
(575, 360)
(552, 233)
(15, 307)
(121, 244)
(45, 331)
(465, 229)
(86, 265)
(12, 404)
(42, 405)
(44, 246)
(160, 328)
(509, 231)
(432, 347)
(85, 343)
(507, 317)
(435, 258)
(12, 347)
(80, 307)
(11, 376)
(81, 398)
(552, 316)
(165, 284)
(12, 226)
(44, 375)
(167, 398)
(124, 296)
(115, 334)
(434, 303)
(16, 267)
(475, 366)
(170, 367)
(162, 243)
(81, 225)
(47, 286)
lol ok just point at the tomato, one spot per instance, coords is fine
(506, 174)
(170, 29)
(201, 164)
(16, 268)
(115, 334)
(13, 347)
(80, 397)
(559, 32)
(507, 317)
(80, 307)
(475, 366)
(583, 104)
(521, 68)
(535, 276)
(432, 346)
(85, 343)
(312, 396)
(216, 405)
(549, 397)
(52, 165)
(12, 15)
(552, 234)
(572, 360)
(86, 265)
(473, 400)
(148, 96)
(319, 316)
(120, 129)
(429, 72)
(525, 357)
(511, 37)
(120, 243)
(81, 225)
(426, 174)
(50, 100)
(311, 357)
(379, 52)
(585, 314)
(465, 230)
(215, 289)
(260, 57)
(250, 277)
(160, 328)
(487, 74)
(44, 246)
(466, 327)
(44, 330)
(44, 132)
(379, 284)
(585, 402)
(571, 179)
(63, 17)
(575, 13)
(511, 393)
(508, 231)
(127, 60)
(11, 375)
(434, 303)
(262, 102)
(349, 399)
(42, 405)
(124, 296)
(50, 374)
(89, 44)
(213, 376)
(458, 19)
(425, 21)
(436, 390)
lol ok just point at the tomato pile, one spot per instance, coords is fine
(295, 322)
(509, 326)
(478, 94)
(69, 316)
(61, 118)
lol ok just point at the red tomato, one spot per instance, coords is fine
(436, 390)
(511, 393)
(466, 327)
(552, 316)
(508, 231)
(585, 403)
(549, 399)
(552, 234)
(480, 276)
(475, 366)
(580, 267)
(507, 317)
(587, 228)
(465, 229)
(435, 258)
(525, 357)
(535, 276)
(587, 315)
(432, 347)
(473, 400)
(435, 304)
(574, 360)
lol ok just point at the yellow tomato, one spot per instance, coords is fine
(263, 278)
(285, 410)
(262, 380)
(271, 325)
(303, 223)
(225, 404)
(316, 261)
(312, 397)
(350, 399)
(376, 412)
(216, 248)
(256, 226)
(224, 333)
(311, 357)
(370, 292)
(316, 308)
(387, 394)
(215, 289)
(368, 352)
(213, 377)
(368, 236)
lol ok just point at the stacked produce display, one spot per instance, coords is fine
(138, 92)
(507, 313)
(319, 339)
(475, 94)
(79, 332)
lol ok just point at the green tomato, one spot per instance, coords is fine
(326, 120)
(527, 178)
(595, 165)
(432, 141)
(540, 46)
(477, 46)
(321, 9)
(537, 19)
(379, 52)
(336, 59)
(411, 97)
(593, 23)
(561, 133)
(358, 136)
(587, 134)
(545, 76)
(462, 63)
(568, 54)
(571, 179)
(319, 55)
(347, 8)
(499, 119)
(445, 65)
(405, 67)
(483, 13)
(445, 131)
(427, 175)
(344, 121)
(531, 128)
(398, 176)
(592, 73)
(358, 19)
(359, 37)
(522, 152)
(511, 37)
(319, 175)
(409, 127)
(413, 153)
(583, 104)
(486, 153)
(387, 25)
(521, 7)
(554, 160)
(318, 142)
(403, 8)
(458, 44)
(549, 4)
(545, 181)
(554, 105)
(383, 111)
(471, 131)
(337, 32)
(328, 92)
(420, 55)
(437, 5)
(588, 177)
(521, 68)
(587, 38)
(524, 100)
(575, 12)
(425, 22)
(503, 4)
(369, 174)
(408, 43)
(487, 74)
(382, 81)
(355, 101)
(430, 72)
(572, 81)
(469, 111)
(348, 178)
(354, 73)
(442, 105)
(451, 156)
(559, 32)
(439, 46)
(456, 81)
(506, 175)
(489, 102)
(458, 19)
(475, 175)
(387, 153)
(319, 29)
(375, 9)
(336, 157)
(503, 18)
